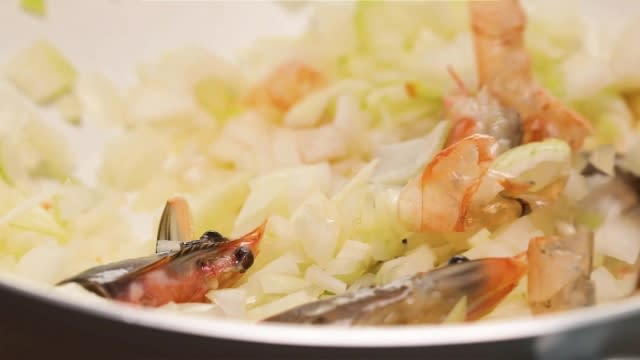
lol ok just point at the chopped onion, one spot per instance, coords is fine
(41, 72)
(577, 187)
(619, 237)
(280, 192)
(517, 234)
(231, 301)
(352, 258)
(608, 287)
(36, 7)
(273, 283)
(308, 112)
(401, 161)
(540, 162)
(631, 159)
(131, 160)
(316, 276)
(283, 304)
(44, 263)
(603, 158)
(100, 101)
(286, 264)
(316, 226)
(420, 259)
(70, 108)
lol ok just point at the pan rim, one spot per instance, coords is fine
(331, 336)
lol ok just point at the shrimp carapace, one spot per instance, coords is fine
(185, 274)
(559, 272)
(504, 68)
(425, 298)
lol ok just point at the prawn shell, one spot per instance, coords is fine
(179, 276)
(425, 298)
(447, 186)
(504, 67)
(101, 279)
(559, 272)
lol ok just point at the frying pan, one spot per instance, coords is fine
(35, 323)
(110, 36)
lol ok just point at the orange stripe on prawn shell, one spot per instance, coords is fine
(439, 199)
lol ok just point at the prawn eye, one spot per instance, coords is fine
(212, 236)
(458, 259)
(244, 257)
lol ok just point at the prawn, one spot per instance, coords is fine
(182, 274)
(449, 195)
(424, 298)
(285, 86)
(504, 68)
(559, 272)
(440, 198)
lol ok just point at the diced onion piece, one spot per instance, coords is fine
(29, 215)
(281, 305)
(308, 112)
(590, 219)
(70, 108)
(315, 275)
(352, 258)
(36, 7)
(631, 159)
(218, 206)
(286, 264)
(540, 162)
(577, 187)
(41, 72)
(183, 67)
(625, 54)
(44, 263)
(216, 97)
(608, 287)
(99, 100)
(619, 237)
(130, 161)
(603, 158)
(322, 143)
(281, 193)
(273, 283)
(401, 161)
(420, 259)
(55, 156)
(316, 226)
(231, 301)
(517, 234)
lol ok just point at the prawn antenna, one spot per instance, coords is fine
(457, 80)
